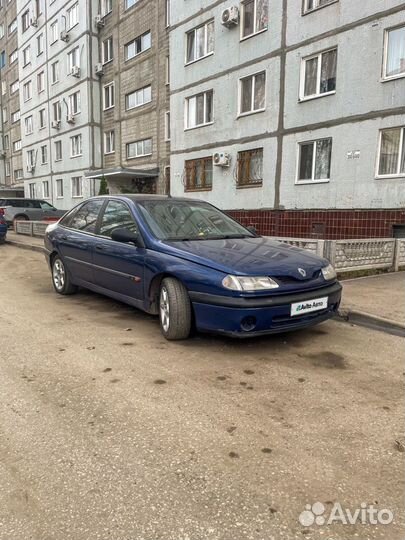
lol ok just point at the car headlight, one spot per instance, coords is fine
(329, 272)
(249, 284)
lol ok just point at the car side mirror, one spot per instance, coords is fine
(252, 229)
(125, 236)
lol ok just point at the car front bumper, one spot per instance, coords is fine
(246, 317)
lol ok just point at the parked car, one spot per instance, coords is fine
(3, 229)
(28, 209)
(190, 263)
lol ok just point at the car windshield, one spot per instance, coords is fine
(171, 219)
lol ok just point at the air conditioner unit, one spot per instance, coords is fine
(230, 16)
(75, 71)
(30, 168)
(64, 36)
(99, 20)
(70, 119)
(55, 124)
(99, 69)
(221, 159)
(34, 21)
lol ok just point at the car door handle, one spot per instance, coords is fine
(63, 237)
(100, 248)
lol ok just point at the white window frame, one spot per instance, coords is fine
(79, 194)
(12, 27)
(58, 144)
(187, 110)
(15, 116)
(14, 87)
(398, 174)
(73, 59)
(206, 52)
(28, 125)
(242, 21)
(26, 56)
(42, 116)
(55, 71)
(252, 110)
(106, 7)
(143, 141)
(299, 182)
(318, 75)
(44, 155)
(129, 3)
(74, 103)
(25, 21)
(17, 145)
(40, 44)
(54, 31)
(107, 44)
(138, 92)
(72, 16)
(76, 146)
(109, 141)
(385, 77)
(167, 126)
(13, 56)
(32, 190)
(305, 9)
(59, 192)
(127, 58)
(7, 168)
(46, 192)
(27, 85)
(40, 78)
(111, 102)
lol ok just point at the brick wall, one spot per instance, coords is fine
(326, 224)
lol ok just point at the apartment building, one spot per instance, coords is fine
(11, 169)
(132, 71)
(291, 114)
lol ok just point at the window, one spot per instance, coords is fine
(252, 92)
(14, 87)
(73, 59)
(29, 127)
(109, 142)
(55, 72)
(58, 150)
(167, 69)
(137, 45)
(17, 145)
(27, 91)
(199, 110)
(5, 115)
(25, 21)
(2, 59)
(314, 161)
(30, 160)
(167, 13)
(42, 118)
(76, 146)
(254, 17)
(18, 174)
(15, 116)
(394, 57)
(130, 3)
(54, 32)
(45, 189)
(14, 56)
(311, 5)
(26, 56)
(6, 142)
(3, 88)
(138, 98)
(59, 188)
(250, 168)
(108, 96)
(44, 155)
(106, 7)
(1, 30)
(40, 82)
(391, 161)
(139, 148)
(32, 191)
(8, 170)
(200, 42)
(198, 174)
(318, 75)
(85, 218)
(77, 191)
(40, 44)
(167, 125)
(74, 103)
(107, 50)
(12, 27)
(116, 216)
(73, 16)
(57, 110)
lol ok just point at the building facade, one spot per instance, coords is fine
(11, 168)
(292, 117)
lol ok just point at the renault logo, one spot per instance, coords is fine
(302, 272)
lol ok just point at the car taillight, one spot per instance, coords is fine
(2, 221)
(2, 211)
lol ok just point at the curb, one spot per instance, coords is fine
(372, 321)
(29, 247)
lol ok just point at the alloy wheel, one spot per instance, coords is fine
(58, 274)
(164, 309)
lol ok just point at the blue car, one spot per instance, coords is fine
(191, 264)
(3, 229)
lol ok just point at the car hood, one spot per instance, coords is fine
(249, 256)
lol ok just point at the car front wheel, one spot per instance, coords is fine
(60, 278)
(174, 310)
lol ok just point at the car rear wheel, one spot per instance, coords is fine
(174, 310)
(60, 278)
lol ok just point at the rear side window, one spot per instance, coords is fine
(85, 218)
(117, 216)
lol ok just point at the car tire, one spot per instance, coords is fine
(60, 278)
(174, 310)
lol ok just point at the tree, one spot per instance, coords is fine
(103, 190)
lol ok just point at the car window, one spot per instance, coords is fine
(46, 206)
(117, 216)
(85, 219)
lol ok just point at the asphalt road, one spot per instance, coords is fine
(107, 431)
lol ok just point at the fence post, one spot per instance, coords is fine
(330, 251)
(397, 252)
(320, 248)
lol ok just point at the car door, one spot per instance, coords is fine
(48, 211)
(75, 241)
(118, 267)
(33, 210)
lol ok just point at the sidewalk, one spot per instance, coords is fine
(34, 243)
(376, 301)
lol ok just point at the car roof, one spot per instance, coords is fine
(152, 197)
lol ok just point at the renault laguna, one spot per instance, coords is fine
(191, 264)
